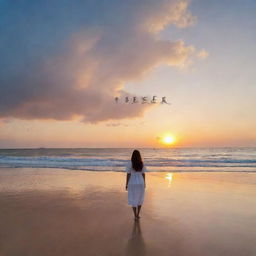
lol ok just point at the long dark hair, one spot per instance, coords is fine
(137, 163)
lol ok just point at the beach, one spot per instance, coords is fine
(70, 212)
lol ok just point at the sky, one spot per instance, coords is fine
(63, 63)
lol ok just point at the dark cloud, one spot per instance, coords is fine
(64, 59)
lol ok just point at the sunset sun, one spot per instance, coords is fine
(168, 140)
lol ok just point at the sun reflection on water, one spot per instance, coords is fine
(169, 177)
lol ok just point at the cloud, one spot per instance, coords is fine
(68, 59)
(203, 54)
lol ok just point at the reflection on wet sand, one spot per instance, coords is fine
(64, 213)
(136, 245)
(169, 177)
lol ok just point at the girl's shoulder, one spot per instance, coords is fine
(144, 169)
(129, 166)
(129, 163)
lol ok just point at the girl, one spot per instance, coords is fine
(135, 182)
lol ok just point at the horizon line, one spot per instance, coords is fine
(174, 147)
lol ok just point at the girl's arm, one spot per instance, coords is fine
(143, 174)
(127, 179)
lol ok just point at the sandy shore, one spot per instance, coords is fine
(61, 212)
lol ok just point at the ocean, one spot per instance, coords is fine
(228, 159)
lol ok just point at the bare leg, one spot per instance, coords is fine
(139, 207)
(134, 211)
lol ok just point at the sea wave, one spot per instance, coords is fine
(100, 163)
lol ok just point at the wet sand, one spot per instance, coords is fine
(61, 212)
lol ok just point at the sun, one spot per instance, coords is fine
(168, 140)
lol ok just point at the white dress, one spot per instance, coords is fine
(136, 188)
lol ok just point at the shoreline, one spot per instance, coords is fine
(116, 171)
